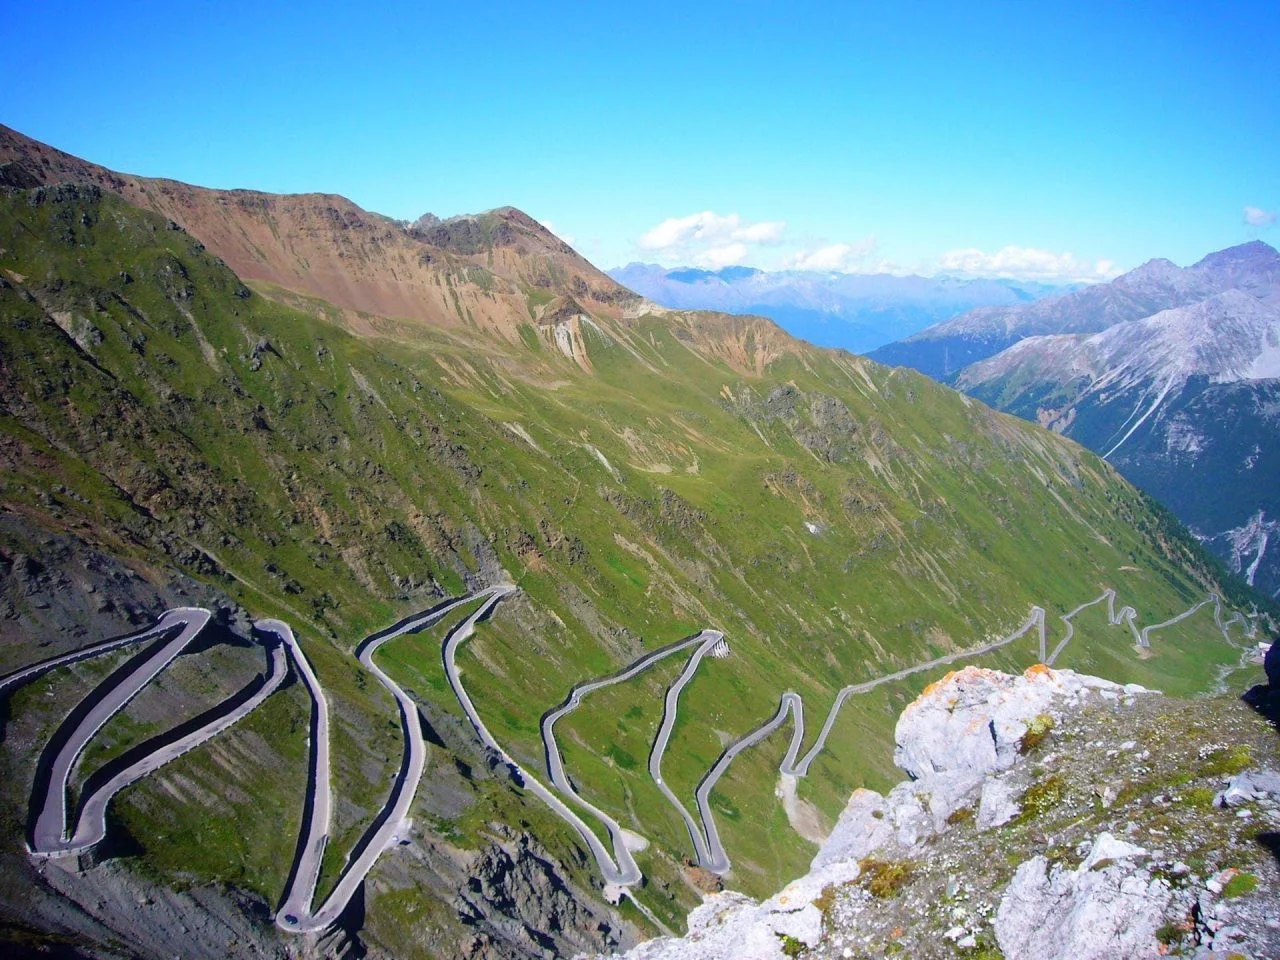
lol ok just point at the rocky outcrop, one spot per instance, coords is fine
(517, 897)
(973, 721)
(1109, 906)
(64, 592)
(962, 730)
(1034, 828)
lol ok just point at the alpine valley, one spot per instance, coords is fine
(415, 589)
(1170, 373)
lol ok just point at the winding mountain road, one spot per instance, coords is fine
(48, 836)
(53, 835)
(624, 871)
(705, 837)
(1126, 614)
(92, 820)
(169, 621)
(295, 912)
(670, 705)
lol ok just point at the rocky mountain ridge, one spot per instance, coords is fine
(471, 277)
(1225, 338)
(944, 350)
(1182, 402)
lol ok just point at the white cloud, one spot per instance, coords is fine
(853, 257)
(1024, 263)
(724, 256)
(552, 227)
(709, 239)
(1257, 217)
(766, 232)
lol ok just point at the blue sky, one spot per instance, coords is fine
(978, 137)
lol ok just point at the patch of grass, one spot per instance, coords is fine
(1041, 797)
(884, 878)
(621, 757)
(1172, 934)
(1228, 761)
(985, 949)
(791, 947)
(826, 900)
(1242, 884)
(963, 815)
(1199, 797)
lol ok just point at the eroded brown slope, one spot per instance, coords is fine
(489, 271)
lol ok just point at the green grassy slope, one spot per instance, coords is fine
(837, 519)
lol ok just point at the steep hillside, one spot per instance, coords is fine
(944, 350)
(639, 476)
(1184, 403)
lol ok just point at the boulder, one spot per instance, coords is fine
(1247, 786)
(973, 720)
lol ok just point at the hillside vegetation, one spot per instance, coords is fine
(639, 476)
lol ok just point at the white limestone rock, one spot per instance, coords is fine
(1110, 906)
(731, 925)
(1247, 786)
(998, 805)
(973, 720)
(863, 827)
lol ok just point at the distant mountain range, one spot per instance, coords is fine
(1171, 373)
(855, 311)
(943, 350)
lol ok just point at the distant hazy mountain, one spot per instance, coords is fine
(1185, 402)
(855, 311)
(945, 349)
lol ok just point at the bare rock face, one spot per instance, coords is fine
(953, 740)
(862, 828)
(517, 896)
(1109, 906)
(729, 924)
(973, 720)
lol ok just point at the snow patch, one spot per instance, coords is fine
(1182, 437)
(1247, 544)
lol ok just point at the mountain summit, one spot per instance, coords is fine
(471, 271)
